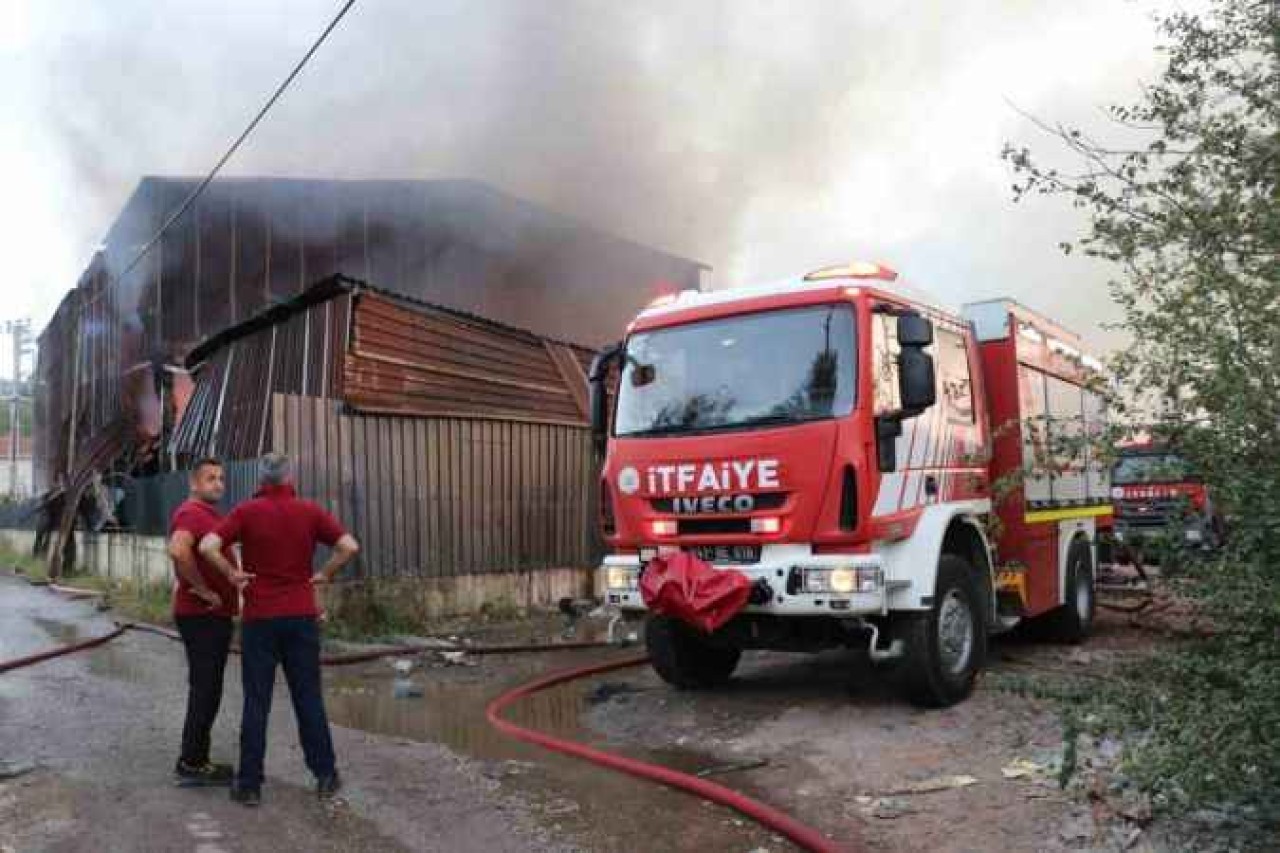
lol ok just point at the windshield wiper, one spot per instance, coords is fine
(670, 429)
(769, 420)
(681, 429)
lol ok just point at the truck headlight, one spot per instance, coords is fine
(842, 580)
(619, 577)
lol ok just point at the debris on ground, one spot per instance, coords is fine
(1079, 826)
(889, 808)
(403, 688)
(735, 767)
(1022, 768)
(937, 783)
(560, 807)
(14, 769)
(1080, 657)
(607, 690)
(403, 666)
(457, 658)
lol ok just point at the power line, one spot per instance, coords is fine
(195, 193)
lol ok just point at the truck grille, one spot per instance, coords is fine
(1149, 513)
(703, 526)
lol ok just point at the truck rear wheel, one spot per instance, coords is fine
(1072, 622)
(947, 646)
(685, 658)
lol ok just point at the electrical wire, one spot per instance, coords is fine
(208, 179)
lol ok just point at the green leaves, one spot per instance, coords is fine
(1189, 212)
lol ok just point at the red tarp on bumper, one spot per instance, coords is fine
(693, 591)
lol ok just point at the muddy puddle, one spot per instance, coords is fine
(579, 803)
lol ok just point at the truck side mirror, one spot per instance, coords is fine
(914, 331)
(599, 397)
(917, 387)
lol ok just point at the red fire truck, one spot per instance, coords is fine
(847, 446)
(1158, 497)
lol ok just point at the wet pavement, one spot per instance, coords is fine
(822, 737)
(598, 808)
(97, 734)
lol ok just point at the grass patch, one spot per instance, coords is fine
(359, 613)
(374, 612)
(29, 566)
(132, 601)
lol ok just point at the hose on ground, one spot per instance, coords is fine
(767, 816)
(28, 660)
(350, 658)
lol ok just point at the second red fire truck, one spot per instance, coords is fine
(879, 471)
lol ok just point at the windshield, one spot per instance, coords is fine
(1150, 468)
(759, 369)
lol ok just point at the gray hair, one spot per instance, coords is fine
(274, 469)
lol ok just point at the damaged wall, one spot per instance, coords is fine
(247, 244)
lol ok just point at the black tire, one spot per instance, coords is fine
(935, 674)
(1073, 621)
(685, 658)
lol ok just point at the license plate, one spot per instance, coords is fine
(726, 553)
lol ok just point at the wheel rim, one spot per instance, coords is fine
(955, 633)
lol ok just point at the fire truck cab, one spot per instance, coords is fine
(1159, 499)
(858, 453)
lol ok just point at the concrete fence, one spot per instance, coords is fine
(144, 561)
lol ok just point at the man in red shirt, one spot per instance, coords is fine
(278, 534)
(204, 603)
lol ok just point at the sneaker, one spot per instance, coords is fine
(246, 796)
(328, 786)
(201, 775)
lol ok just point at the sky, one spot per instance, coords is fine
(763, 138)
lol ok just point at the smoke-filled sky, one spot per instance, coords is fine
(764, 138)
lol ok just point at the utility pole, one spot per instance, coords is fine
(17, 330)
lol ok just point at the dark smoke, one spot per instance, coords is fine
(762, 138)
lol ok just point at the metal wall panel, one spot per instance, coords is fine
(150, 501)
(441, 497)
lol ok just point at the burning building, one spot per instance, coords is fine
(113, 384)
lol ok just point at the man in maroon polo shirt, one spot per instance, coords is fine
(278, 534)
(204, 603)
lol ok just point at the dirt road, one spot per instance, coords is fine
(99, 730)
(821, 737)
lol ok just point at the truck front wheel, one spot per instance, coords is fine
(685, 658)
(946, 646)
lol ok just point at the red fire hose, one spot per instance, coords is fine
(767, 816)
(17, 663)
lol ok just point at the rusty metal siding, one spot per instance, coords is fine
(444, 497)
(230, 410)
(428, 362)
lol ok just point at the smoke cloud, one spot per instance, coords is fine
(763, 138)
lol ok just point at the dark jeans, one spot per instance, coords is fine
(207, 639)
(294, 643)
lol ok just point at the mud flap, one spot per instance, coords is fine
(693, 591)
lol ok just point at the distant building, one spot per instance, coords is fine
(21, 485)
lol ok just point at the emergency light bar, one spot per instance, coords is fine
(857, 269)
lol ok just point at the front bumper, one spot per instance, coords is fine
(778, 571)
(1193, 533)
